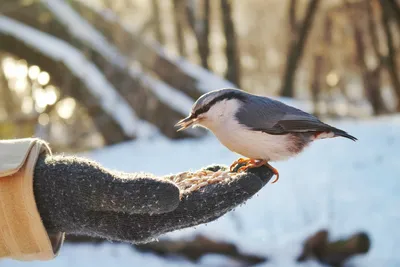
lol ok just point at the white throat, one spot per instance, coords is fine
(221, 114)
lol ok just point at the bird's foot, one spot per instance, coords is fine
(240, 160)
(258, 163)
(275, 171)
(252, 163)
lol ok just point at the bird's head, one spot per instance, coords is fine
(212, 108)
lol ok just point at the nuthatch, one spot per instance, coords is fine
(257, 127)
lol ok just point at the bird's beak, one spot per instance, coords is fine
(186, 123)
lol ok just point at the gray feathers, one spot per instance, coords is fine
(266, 115)
(274, 117)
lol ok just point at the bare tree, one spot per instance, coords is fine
(297, 44)
(390, 59)
(201, 29)
(179, 9)
(395, 8)
(371, 77)
(155, 6)
(232, 48)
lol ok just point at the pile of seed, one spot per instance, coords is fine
(192, 181)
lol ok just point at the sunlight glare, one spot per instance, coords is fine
(33, 72)
(40, 98)
(9, 67)
(20, 86)
(21, 69)
(66, 107)
(332, 79)
(39, 109)
(44, 119)
(51, 95)
(27, 105)
(43, 78)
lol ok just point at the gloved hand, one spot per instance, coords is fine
(79, 197)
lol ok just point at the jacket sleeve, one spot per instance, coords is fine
(22, 234)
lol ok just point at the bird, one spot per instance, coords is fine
(259, 128)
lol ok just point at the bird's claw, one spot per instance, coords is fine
(239, 161)
(251, 163)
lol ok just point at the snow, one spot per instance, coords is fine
(109, 98)
(81, 28)
(335, 184)
(206, 80)
(167, 94)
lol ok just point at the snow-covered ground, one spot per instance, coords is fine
(337, 184)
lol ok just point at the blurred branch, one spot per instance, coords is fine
(335, 253)
(232, 47)
(193, 250)
(296, 48)
(199, 247)
(390, 60)
(155, 7)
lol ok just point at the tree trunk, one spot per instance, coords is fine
(201, 33)
(390, 60)
(232, 47)
(179, 10)
(204, 43)
(292, 18)
(296, 49)
(316, 81)
(395, 8)
(371, 78)
(373, 32)
(155, 6)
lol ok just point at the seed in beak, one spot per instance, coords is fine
(185, 123)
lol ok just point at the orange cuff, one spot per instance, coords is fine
(22, 233)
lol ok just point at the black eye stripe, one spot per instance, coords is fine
(227, 96)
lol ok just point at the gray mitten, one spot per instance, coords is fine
(79, 197)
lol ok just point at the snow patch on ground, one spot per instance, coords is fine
(336, 184)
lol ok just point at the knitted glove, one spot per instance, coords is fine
(79, 197)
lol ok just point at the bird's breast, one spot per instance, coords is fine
(255, 144)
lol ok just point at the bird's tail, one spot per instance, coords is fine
(338, 132)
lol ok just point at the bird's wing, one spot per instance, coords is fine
(274, 117)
